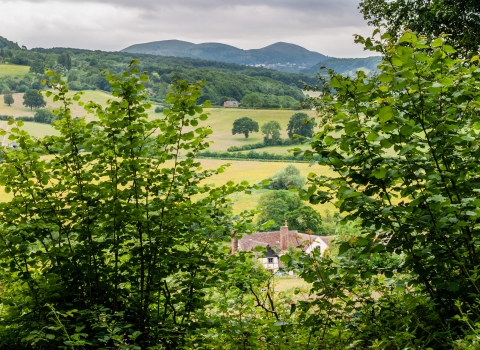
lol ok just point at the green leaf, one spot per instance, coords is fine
(437, 42)
(385, 114)
(379, 173)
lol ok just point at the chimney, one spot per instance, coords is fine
(284, 236)
(234, 243)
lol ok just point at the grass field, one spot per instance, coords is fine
(287, 283)
(13, 70)
(238, 171)
(220, 119)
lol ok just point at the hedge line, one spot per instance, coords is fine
(280, 142)
(257, 156)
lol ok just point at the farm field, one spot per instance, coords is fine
(220, 119)
(238, 171)
(285, 283)
(13, 70)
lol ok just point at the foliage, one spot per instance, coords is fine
(114, 247)
(300, 124)
(457, 18)
(65, 60)
(275, 205)
(224, 80)
(44, 116)
(33, 99)
(271, 130)
(8, 98)
(37, 66)
(159, 109)
(244, 126)
(259, 100)
(404, 145)
(266, 156)
(287, 178)
(306, 219)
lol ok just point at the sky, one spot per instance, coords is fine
(325, 26)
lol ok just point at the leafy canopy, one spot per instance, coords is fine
(244, 126)
(33, 99)
(271, 130)
(300, 124)
(111, 238)
(8, 98)
(287, 178)
(457, 18)
(404, 144)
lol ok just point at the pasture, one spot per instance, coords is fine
(13, 70)
(220, 119)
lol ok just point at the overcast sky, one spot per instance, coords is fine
(325, 26)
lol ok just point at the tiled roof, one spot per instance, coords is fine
(295, 239)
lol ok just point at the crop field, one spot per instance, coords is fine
(238, 171)
(220, 120)
(13, 70)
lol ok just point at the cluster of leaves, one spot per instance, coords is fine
(266, 101)
(278, 206)
(115, 247)
(458, 18)
(405, 147)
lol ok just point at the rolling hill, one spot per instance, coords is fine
(279, 56)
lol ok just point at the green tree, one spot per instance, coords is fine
(252, 99)
(287, 178)
(300, 124)
(405, 150)
(113, 247)
(43, 116)
(37, 66)
(275, 205)
(271, 130)
(244, 126)
(33, 99)
(8, 98)
(65, 60)
(457, 18)
(306, 219)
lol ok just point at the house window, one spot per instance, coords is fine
(270, 260)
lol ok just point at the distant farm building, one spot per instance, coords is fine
(230, 104)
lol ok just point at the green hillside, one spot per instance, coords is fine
(280, 56)
(224, 81)
(346, 65)
(5, 43)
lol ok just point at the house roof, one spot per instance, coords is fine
(272, 239)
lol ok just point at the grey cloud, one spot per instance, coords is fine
(298, 5)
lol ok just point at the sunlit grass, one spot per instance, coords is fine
(13, 70)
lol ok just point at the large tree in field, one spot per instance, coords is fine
(460, 19)
(8, 98)
(271, 130)
(33, 99)
(244, 126)
(300, 124)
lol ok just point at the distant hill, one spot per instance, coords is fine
(346, 65)
(280, 56)
(5, 43)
